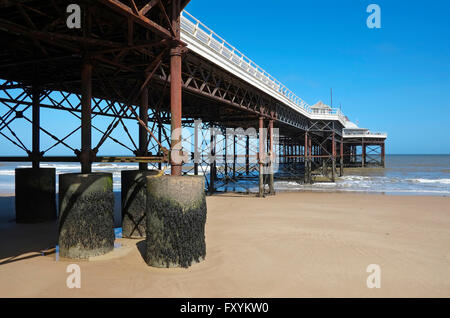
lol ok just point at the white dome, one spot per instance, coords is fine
(350, 124)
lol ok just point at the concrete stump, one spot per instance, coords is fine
(176, 217)
(35, 195)
(134, 200)
(86, 217)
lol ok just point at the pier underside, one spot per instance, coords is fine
(364, 152)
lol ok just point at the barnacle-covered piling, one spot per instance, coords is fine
(86, 218)
(176, 217)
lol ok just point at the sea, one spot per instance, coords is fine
(403, 175)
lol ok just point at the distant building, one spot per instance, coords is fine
(320, 108)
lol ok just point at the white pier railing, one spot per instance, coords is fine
(208, 44)
(193, 29)
(365, 134)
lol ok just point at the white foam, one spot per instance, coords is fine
(7, 172)
(442, 181)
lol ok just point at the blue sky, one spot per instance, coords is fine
(394, 79)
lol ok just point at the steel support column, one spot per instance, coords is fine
(247, 156)
(271, 158)
(333, 157)
(225, 156)
(260, 156)
(86, 133)
(234, 156)
(175, 94)
(212, 164)
(307, 167)
(197, 152)
(341, 157)
(160, 141)
(36, 126)
(143, 136)
(309, 161)
(363, 155)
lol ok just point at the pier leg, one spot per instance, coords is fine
(176, 205)
(197, 151)
(159, 140)
(324, 165)
(353, 149)
(294, 153)
(383, 155)
(309, 161)
(86, 96)
(288, 152)
(175, 108)
(291, 153)
(143, 137)
(306, 158)
(333, 158)
(134, 200)
(272, 159)
(35, 198)
(234, 156)
(225, 157)
(36, 126)
(247, 156)
(260, 157)
(212, 164)
(35, 187)
(86, 217)
(341, 158)
(363, 158)
(176, 217)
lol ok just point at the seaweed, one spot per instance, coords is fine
(175, 234)
(87, 228)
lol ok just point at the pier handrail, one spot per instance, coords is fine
(196, 28)
(366, 133)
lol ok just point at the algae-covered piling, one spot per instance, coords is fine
(176, 217)
(86, 219)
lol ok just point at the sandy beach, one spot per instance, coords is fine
(289, 245)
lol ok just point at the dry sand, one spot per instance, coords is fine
(289, 245)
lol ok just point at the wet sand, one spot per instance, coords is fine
(290, 245)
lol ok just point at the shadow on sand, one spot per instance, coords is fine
(25, 241)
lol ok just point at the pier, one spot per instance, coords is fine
(151, 65)
(132, 63)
